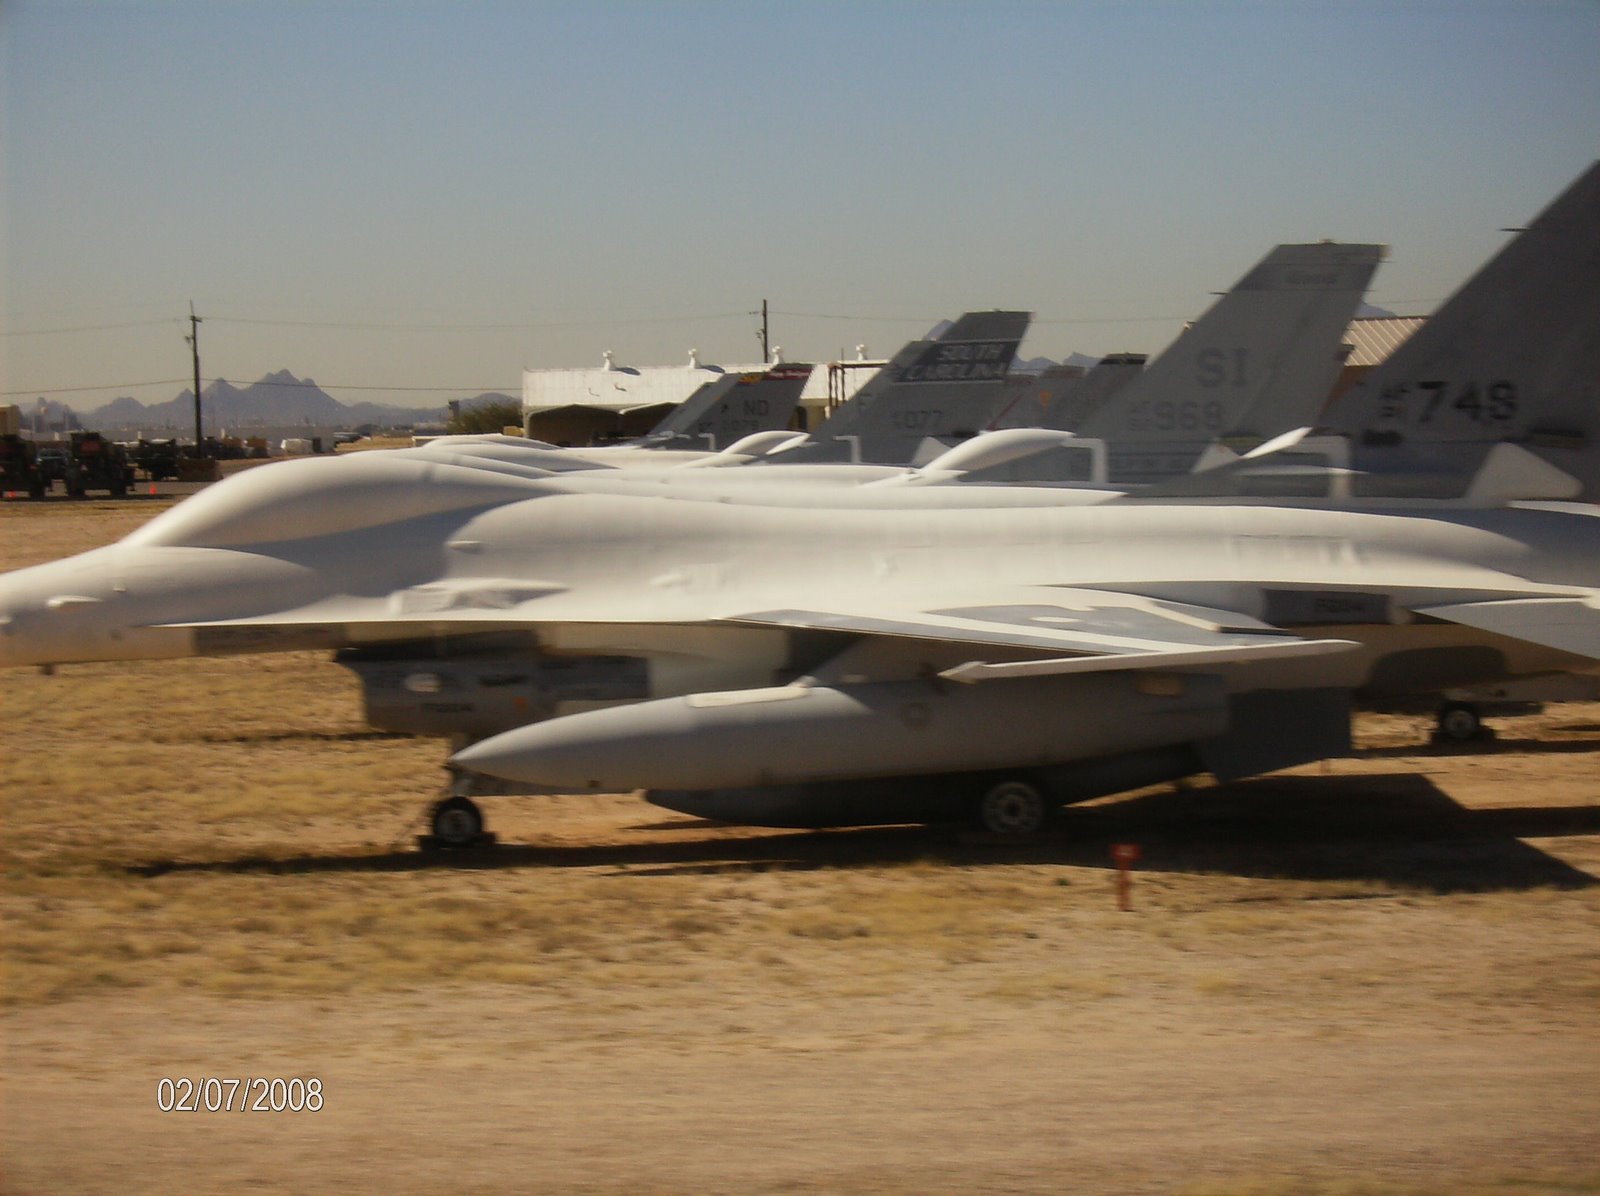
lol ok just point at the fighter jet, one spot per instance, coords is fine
(903, 654)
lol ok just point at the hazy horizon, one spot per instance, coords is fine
(414, 201)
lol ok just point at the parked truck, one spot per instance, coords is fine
(98, 464)
(19, 466)
(158, 458)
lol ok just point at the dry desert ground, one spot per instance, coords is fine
(1376, 975)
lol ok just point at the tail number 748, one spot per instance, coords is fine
(1429, 402)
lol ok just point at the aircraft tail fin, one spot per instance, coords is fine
(1073, 407)
(678, 421)
(943, 387)
(732, 407)
(1260, 361)
(1513, 355)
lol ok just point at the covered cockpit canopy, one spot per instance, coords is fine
(293, 500)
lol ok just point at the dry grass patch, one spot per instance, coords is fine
(1055, 985)
(1539, 1185)
(204, 854)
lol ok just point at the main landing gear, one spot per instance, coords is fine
(456, 823)
(1012, 808)
(1460, 722)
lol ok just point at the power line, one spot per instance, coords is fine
(378, 326)
(86, 328)
(815, 315)
(61, 390)
(65, 390)
(519, 326)
(933, 320)
(1114, 320)
(418, 389)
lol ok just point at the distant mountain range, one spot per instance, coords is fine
(278, 400)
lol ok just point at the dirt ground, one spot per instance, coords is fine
(1375, 975)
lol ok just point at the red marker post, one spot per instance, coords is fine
(1126, 855)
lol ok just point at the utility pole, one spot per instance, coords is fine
(766, 354)
(194, 342)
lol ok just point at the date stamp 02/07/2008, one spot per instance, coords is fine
(211, 1094)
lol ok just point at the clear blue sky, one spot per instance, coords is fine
(438, 194)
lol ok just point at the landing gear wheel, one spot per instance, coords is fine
(1012, 808)
(1459, 722)
(456, 822)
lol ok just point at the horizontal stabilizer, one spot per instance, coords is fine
(1566, 624)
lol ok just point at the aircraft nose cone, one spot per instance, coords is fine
(14, 624)
(53, 613)
(575, 753)
(507, 755)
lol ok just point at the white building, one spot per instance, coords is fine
(612, 402)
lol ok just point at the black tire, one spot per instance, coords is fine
(1459, 722)
(457, 822)
(1013, 808)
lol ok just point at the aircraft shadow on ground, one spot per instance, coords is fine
(1396, 829)
(1495, 747)
(302, 736)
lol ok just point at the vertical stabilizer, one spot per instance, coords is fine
(1260, 361)
(1514, 355)
(1063, 396)
(1074, 406)
(945, 389)
(732, 407)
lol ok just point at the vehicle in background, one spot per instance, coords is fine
(98, 464)
(54, 462)
(158, 459)
(19, 466)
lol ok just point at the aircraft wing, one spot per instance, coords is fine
(1570, 624)
(1082, 630)
(1090, 630)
